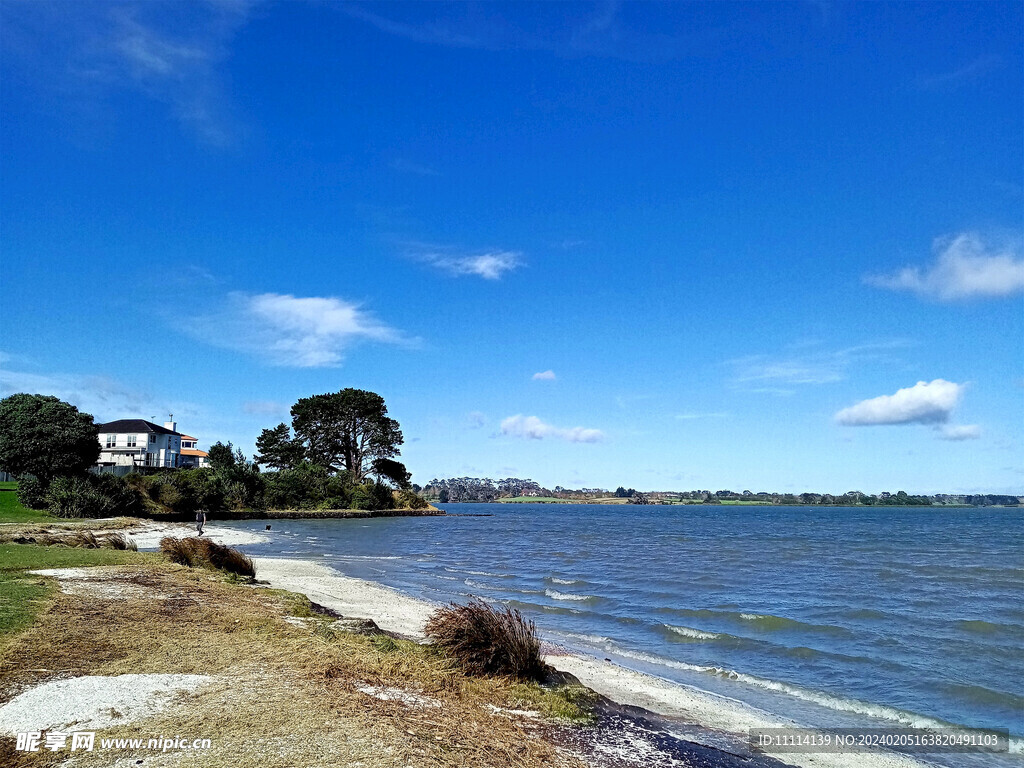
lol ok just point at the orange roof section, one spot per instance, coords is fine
(193, 452)
(188, 437)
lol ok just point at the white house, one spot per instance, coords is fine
(139, 443)
(191, 456)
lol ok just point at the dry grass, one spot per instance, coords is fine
(203, 553)
(488, 641)
(84, 539)
(283, 695)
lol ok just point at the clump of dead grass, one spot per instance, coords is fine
(83, 539)
(203, 553)
(488, 641)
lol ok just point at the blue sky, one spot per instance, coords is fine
(766, 246)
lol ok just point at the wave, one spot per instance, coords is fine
(556, 595)
(980, 627)
(692, 634)
(987, 696)
(556, 580)
(827, 700)
(772, 623)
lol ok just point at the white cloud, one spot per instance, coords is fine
(533, 428)
(294, 331)
(960, 432)
(965, 267)
(544, 376)
(490, 265)
(923, 403)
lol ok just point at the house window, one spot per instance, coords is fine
(152, 438)
(111, 441)
(132, 441)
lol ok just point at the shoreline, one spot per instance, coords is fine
(705, 718)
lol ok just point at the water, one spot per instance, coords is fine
(832, 616)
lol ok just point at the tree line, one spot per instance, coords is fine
(338, 453)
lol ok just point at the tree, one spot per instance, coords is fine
(346, 430)
(221, 457)
(277, 450)
(42, 435)
(395, 471)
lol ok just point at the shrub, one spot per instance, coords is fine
(410, 500)
(307, 486)
(91, 496)
(362, 497)
(488, 641)
(203, 553)
(31, 492)
(382, 496)
(186, 490)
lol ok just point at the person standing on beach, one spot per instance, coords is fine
(200, 520)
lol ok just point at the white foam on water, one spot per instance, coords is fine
(556, 595)
(829, 701)
(693, 634)
(556, 580)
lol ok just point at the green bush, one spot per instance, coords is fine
(31, 492)
(91, 496)
(307, 486)
(410, 500)
(186, 490)
(362, 497)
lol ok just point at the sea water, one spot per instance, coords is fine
(831, 616)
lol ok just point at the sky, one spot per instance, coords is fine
(752, 246)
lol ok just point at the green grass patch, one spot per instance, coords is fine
(23, 596)
(568, 703)
(11, 510)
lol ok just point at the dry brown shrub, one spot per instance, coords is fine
(203, 553)
(488, 641)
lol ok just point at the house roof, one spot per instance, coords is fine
(189, 437)
(134, 425)
(193, 452)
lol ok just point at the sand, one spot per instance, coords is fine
(148, 536)
(92, 702)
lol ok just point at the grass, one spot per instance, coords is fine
(281, 695)
(12, 511)
(23, 596)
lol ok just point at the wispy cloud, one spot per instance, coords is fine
(778, 374)
(476, 419)
(959, 432)
(599, 30)
(533, 428)
(103, 397)
(969, 72)
(264, 407)
(924, 403)
(293, 331)
(166, 52)
(544, 376)
(416, 169)
(965, 267)
(490, 265)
